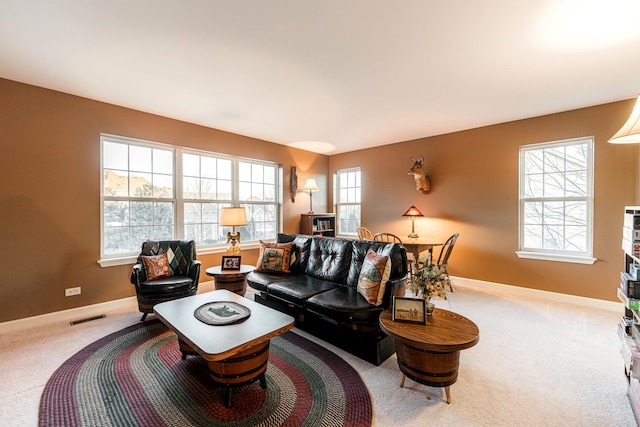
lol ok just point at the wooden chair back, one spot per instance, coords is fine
(364, 233)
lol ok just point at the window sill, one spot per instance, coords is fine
(556, 257)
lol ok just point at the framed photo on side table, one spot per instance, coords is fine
(412, 310)
(230, 263)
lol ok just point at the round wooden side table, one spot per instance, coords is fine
(231, 280)
(430, 354)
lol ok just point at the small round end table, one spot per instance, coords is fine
(231, 280)
(430, 354)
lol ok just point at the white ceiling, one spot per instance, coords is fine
(329, 76)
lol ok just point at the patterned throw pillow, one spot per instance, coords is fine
(274, 257)
(374, 275)
(156, 266)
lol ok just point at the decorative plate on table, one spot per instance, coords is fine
(221, 313)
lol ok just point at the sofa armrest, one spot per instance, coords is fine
(194, 272)
(138, 275)
(395, 287)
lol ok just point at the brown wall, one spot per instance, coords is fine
(50, 193)
(474, 191)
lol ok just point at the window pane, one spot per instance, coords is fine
(141, 213)
(190, 165)
(163, 161)
(224, 169)
(208, 188)
(140, 159)
(192, 213)
(116, 240)
(115, 156)
(163, 213)
(245, 191)
(116, 213)
(115, 183)
(140, 184)
(224, 190)
(190, 188)
(163, 186)
(533, 213)
(576, 183)
(209, 168)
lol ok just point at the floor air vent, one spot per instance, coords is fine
(88, 319)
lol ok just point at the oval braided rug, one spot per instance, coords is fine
(136, 377)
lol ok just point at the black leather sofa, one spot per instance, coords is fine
(320, 291)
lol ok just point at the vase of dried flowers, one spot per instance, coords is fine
(428, 282)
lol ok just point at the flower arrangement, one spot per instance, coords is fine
(430, 281)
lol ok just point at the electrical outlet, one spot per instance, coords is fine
(72, 291)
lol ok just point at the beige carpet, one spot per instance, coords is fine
(537, 364)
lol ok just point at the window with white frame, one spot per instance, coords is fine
(348, 192)
(155, 191)
(556, 200)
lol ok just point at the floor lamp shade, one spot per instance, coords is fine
(233, 217)
(629, 133)
(310, 185)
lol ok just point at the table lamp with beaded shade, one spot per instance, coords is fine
(233, 217)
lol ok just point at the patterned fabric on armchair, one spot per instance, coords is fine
(165, 270)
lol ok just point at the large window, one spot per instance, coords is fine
(556, 200)
(348, 188)
(154, 191)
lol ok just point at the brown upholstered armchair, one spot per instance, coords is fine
(165, 270)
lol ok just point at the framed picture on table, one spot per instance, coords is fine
(230, 263)
(412, 310)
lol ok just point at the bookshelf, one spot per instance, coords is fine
(318, 224)
(629, 294)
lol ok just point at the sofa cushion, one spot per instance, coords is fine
(344, 304)
(156, 266)
(374, 275)
(274, 257)
(299, 251)
(259, 280)
(165, 284)
(329, 259)
(299, 287)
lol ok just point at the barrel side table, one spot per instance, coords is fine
(231, 280)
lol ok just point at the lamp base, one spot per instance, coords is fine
(233, 250)
(412, 235)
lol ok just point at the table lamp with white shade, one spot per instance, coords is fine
(233, 217)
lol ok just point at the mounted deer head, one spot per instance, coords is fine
(423, 183)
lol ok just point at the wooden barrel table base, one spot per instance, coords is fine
(430, 354)
(236, 283)
(238, 370)
(231, 280)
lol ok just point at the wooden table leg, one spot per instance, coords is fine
(402, 382)
(228, 397)
(447, 392)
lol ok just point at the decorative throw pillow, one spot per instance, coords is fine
(274, 257)
(374, 275)
(156, 266)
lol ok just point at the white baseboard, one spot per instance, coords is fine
(97, 309)
(66, 315)
(81, 312)
(536, 293)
